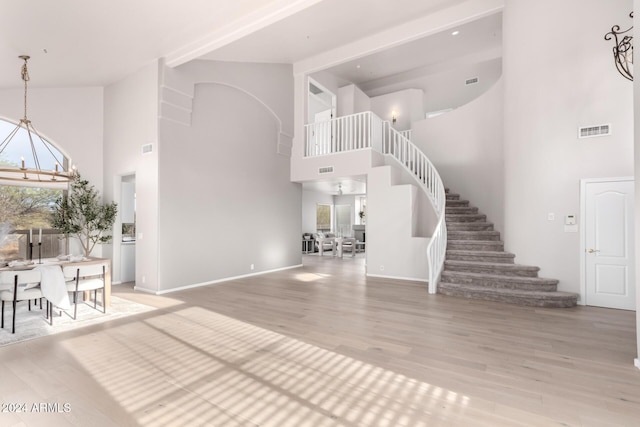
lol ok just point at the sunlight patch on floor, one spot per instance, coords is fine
(310, 277)
(226, 372)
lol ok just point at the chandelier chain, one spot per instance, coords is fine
(25, 79)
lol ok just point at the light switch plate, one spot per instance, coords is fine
(570, 219)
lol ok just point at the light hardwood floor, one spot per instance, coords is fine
(323, 345)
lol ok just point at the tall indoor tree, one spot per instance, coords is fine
(81, 214)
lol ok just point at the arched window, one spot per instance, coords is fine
(25, 207)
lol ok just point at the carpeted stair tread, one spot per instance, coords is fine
(449, 218)
(470, 226)
(452, 196)
(494, 256)
(473, 235)
(460, 210)
(492, 268)
(513, 296)
(456, 203)
(500, 281)
(475, 245)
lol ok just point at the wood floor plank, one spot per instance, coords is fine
(323, 345)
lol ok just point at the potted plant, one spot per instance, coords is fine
(81, 214)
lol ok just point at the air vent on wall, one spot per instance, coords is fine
(326, 169)
(471, 81)
(147, 148)
(590, 131)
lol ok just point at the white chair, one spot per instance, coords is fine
(325, 242)
(16, 286)
(81, 278)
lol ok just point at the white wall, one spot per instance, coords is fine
(361, 102)
(466, 147)
(352, 100)
(69, 118)
(310, 200)
(636, 121)
(406, 103)
(131, 120)
(233, 204)
(392, 249)
(558, 77)
(448, 90)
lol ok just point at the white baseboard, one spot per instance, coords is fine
(148, 291)
(412, 279)
(214, 282)
(637, 363)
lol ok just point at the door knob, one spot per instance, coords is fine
(593, 250)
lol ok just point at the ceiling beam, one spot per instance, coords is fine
(238, 29)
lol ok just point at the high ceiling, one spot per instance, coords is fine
(464, 44)
(97, 42)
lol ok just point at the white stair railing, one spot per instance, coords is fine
(414, 160)
(347, 133)
(366, 130)
(407, 134)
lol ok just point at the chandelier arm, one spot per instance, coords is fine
(6, 141)
(36, 161)
(48, 147)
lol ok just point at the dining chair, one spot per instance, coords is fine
(16, 286)
(81, 278)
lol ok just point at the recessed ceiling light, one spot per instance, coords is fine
(455, 33)
(358, 66)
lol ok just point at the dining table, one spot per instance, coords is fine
(53, 284)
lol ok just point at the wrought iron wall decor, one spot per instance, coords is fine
(623, 49)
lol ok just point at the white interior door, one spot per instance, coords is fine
(609, 244)
(323, 132)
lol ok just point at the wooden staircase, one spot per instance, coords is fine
(476, 265)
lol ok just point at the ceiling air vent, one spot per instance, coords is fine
(147, 148)
(471, 81)
(589, 131)
(324, 170)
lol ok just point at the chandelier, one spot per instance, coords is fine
(622, 49)
(45, 164)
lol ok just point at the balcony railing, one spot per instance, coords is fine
(348, 133)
